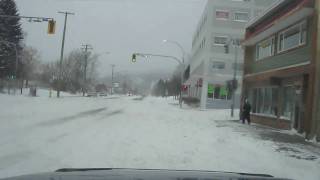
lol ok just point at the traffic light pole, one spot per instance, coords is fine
(234, 79)
(62, 50)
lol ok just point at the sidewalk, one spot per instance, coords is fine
(292, 144)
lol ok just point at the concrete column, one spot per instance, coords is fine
(204, 89)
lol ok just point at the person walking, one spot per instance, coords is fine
(246, 112)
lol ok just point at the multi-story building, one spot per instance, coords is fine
(282, 66)
(211, 66)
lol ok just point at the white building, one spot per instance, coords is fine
(211, 66)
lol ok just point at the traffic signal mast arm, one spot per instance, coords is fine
(27, 17)
(51, 21)
(159, 55)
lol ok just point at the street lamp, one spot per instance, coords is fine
(179, 45)
(236, 45)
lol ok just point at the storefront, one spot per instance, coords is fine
(279, 99)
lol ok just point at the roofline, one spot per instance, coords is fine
(274, 7)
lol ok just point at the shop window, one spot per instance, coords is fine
(264, 100)
(217, 93)
(274, 107)
(260, 95)
(288, 102)
(267, 104)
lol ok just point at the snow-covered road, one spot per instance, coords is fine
(42, 134)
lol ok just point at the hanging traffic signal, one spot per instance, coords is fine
(51, 26)
(134, 57)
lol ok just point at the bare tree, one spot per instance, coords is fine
(30, 60)
(72, 72)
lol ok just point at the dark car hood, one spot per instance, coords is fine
(140, 174)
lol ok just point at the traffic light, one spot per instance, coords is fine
(51, 26)
(134, 57)
(226, 48)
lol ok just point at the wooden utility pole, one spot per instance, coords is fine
(86, 48)
(62, 49)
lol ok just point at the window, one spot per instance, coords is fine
(267, 104)
(288, 102)
(265, 49)
(218, 65)
(241, 16)
(292, 37)
(222, 15)
(264, 100)
(260, 94)
(220, 40)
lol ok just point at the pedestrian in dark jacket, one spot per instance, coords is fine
(246, 112)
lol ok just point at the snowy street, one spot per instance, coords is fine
(42, 134)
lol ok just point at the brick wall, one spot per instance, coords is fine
(272, 122)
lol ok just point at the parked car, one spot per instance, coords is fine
(92, 94)
(103, 94)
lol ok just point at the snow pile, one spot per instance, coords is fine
(43, 134)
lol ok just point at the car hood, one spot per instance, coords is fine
(140, 174)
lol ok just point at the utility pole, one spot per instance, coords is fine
(112, 72)
(62, 49)
(85, 47)
(236, 46)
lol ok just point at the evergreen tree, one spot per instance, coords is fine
(10, 31)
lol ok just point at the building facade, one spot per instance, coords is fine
(281, 66)
(212, 65)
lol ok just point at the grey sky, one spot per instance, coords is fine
(118, 26)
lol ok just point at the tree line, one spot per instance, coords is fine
(22, 63)
(170, 87)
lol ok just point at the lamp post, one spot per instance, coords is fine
(182, 65)
(236, 45)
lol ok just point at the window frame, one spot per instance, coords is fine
(214, 40)
(223, 19)
(240, 12)
(273, 47)
(300, 25)
(218, 63)
(259, 104)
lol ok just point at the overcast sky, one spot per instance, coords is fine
(117, 26)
